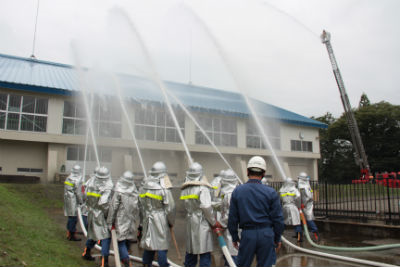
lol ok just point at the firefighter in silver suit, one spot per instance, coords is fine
(290, 199)
(157, 215)
(98, 196)
(123, 214)
(72, 199)
(228, 184)
(307, 203)
(200, 218)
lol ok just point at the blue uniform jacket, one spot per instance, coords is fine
(255, 205)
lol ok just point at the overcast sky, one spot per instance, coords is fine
(270, 49)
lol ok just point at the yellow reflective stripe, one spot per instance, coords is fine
(215, 187)
(311, 190)
(68, 183)
(288, 194)
(93, 194)
(147, 194)
(190, 197)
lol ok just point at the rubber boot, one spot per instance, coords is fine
(126, 262)
(86, 255)
(104, 261)
(72, 237)
(299, 237)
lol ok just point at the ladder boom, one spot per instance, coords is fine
(359, 152)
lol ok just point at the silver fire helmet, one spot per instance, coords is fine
(158, 168)
(103, 173)
(303, 176)
(76, 169)
(230, 176)
(127, 176)
(195, 172)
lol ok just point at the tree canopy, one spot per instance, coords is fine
(379, 126)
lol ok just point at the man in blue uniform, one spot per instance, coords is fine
(256, 209)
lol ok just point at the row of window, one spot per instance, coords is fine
(152, 122)
(23, 113)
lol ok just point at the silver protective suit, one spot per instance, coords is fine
(124, 209)
(199, 217)
(228, 184)
(157, 214)
(98, 196)
(72, 194)
(306, 197)
(290, 199)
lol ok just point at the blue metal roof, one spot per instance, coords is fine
(53, 78)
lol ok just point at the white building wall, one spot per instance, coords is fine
(48, 150)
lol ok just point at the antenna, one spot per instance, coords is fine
(34, 34)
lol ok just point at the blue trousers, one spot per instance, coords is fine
(298, 229)
(105, 245)
(71, 223)
(123, 249)
(148, 257)
(191, 259)
(257, 242)
(312, 226)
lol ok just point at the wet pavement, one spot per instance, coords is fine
(287, 256)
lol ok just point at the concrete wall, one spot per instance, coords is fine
(17, 154)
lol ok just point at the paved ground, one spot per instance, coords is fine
(286, 257)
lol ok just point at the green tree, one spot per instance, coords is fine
(379, 126)
(364, 101)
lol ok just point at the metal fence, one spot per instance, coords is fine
(360, 202)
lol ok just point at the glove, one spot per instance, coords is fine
(217, 227)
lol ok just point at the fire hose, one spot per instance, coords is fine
(334, 256)
(369, 248)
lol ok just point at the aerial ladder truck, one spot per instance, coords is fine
(359, 152)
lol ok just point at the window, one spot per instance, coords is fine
(106, 115)
(77, 153)
(154, 123)
(23, 113)
(298, 145)
(255, 140)
(221, 130)
(36, 170)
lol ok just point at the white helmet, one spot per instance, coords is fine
(195, 172)
(257, 164)
(76, 169)
(230, 176)
(303, 176)
(158, 168)
(289, 182)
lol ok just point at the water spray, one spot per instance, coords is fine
(82, 83)
(130, 126)
(154, 75)
(246, 98)
(203, 132)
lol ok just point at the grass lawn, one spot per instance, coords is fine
(29, 236)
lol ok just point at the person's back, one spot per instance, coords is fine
(256, 209)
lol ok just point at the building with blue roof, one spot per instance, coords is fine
(43, 124)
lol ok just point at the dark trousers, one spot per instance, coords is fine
(71, 223)
(312, 226)
(257, 242)
(148, 257)
(191, 259)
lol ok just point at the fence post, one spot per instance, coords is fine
(326, 198)
(388, 199)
